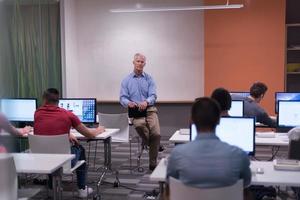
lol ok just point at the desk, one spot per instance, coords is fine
(106, 138)
(280, 139)
(268, 178)
(43, 164)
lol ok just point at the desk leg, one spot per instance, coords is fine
(56, 184)
(107, 153)
(161, 190)
(107, 162)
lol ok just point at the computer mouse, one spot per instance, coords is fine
(259, 170)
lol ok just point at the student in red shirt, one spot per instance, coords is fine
(50, 119)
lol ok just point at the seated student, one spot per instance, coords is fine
(208, 162)
(50, 119)
(222, 96)
(8, 127)
(252, 107)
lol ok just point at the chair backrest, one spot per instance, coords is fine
(119, 121)
(51, 144)
(8, 178)
(294, 150)
(179, 191)
(294, 143)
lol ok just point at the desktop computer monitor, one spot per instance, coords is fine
(288, 114)
(237, 108)
(237, 131)
(239, 95)
(19, 109)
(287, 96)
(84, 108)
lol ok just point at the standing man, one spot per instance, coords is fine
(138, 94)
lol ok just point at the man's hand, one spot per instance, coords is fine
(143, 106)
(73, 139)
(132, 104)
(100, 129)
(25, 130)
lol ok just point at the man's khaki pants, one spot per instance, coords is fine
(149, 130)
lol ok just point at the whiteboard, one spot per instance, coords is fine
(98, 48)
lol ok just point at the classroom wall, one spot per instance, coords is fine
(69, 48)
(245, 45)
(104, 43)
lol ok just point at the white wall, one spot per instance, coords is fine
(99, 48)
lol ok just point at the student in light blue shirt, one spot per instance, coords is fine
(138, 94)
(208, 162)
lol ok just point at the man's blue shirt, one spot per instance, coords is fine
(138, 89)
(208, 162)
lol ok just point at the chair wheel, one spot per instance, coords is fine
(116, 184)
(97, 197)
(140, 169)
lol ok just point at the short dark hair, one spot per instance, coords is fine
(51, 95)
(223, 97)
(206, 113)
(258, 89)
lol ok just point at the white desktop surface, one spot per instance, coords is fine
(107, 133)
(280, 139)
(179, 138)
(269, 177)
(40, 163)
(272, 176)
(160, 172)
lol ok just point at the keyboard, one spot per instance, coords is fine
(265, 134)
(184, 131)
(285, 164)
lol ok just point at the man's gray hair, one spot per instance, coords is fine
(139, 55)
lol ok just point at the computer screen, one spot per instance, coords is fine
(288, 96)
(84, 108)
(237, 108)
(239, 95)
(237, 131)
(288, 113)
(19, 110)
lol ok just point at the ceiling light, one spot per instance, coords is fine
(181, 8)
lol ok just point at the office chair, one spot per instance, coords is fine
(294, 143)
(54, 144)
(179, 191)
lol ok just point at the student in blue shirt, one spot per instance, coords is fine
(207, 162)
(138, 94)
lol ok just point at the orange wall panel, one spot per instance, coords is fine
(245, 45)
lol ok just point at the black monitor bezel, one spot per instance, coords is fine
(95, 100)
(276, 101)
(288, 127)
(21, 98)
(254, 131)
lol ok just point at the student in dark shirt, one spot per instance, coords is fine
(222, 96)
(252, 107)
